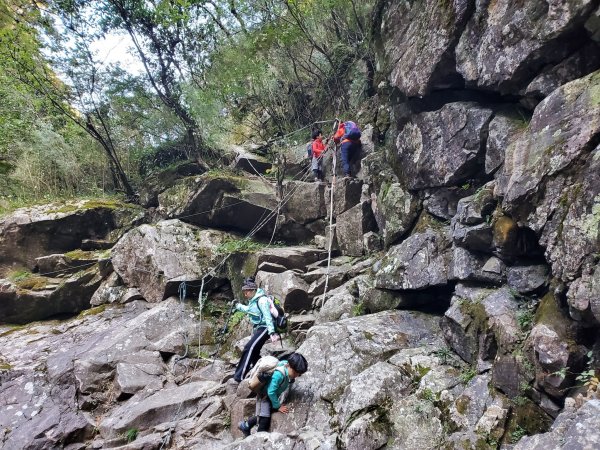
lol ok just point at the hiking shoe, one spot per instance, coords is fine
(244, 428)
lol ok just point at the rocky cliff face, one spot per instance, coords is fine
(463, 301)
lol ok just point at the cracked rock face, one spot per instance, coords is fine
(419, 262)
(504, 42)
(421, 60)
(443, 147)
(157, 258)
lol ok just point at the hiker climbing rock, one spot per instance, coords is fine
(348, 134)
(258, 310)
(318, 147)
(276, 381)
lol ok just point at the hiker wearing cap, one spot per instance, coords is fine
(268, 399)
(259, 313)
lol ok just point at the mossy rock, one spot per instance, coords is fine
(101, 203)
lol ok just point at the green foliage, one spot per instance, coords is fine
(525, 319)
(358, 309)
(517, 434)
(467, 375)
(238, 246)
(589, 374)
(131, 434)
(444, 354)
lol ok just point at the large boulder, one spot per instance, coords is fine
(573, 429)
(288, 287)
(540, 164)
(338, 352)
(583, 297)
(419, 262)
(157, 258)
(554, 349)
(305, 201)
(34, 297)
(119, 357)
(159, 182)
(504, 42)
(179, 402)
(503, 129)
(29, 233)
(218, 200)
(481, 323)
(443, 147)
(351, 226)
(42, 408)
(418, 59)
(396, 210)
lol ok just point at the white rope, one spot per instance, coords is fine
(334, 163)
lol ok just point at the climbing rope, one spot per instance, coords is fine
(330, 241)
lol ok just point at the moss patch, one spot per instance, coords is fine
(92, 204)
(33, 283)
(92, 311)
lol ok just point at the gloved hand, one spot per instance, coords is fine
(274, 338)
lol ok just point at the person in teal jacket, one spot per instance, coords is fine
(269, 397)
(259, 313)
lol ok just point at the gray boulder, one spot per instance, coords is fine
(443, 202)
(505, 42)
(218, 201)
(469, 266)
(288, 287)
(526, 279)
(30, 233)
(577, 65)
(419, 262)
(157, 258)
(554, 351)
(157, 183)
(351, 226)
(481, 323)
(476, 208)
(36, 298)
(583, 297)
(306, 202)
(347, 193)
(573, 429)
(443, 147)
(396, 210)
(181, 401)
(291, 258)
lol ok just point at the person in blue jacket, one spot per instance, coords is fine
(268, 399)
(259, 313)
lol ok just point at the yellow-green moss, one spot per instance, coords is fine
(87, 255)
(33, 283)
(12, 329)
(18, 275)
(462, 404)
(92, 311)
(91, 204)
(426, 222)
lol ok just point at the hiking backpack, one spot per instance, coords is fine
(351, 131)
(309, 149)
(279, 318)
(262, 372)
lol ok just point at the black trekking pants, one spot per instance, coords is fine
(251, 353)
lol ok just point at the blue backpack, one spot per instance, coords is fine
(309, 149)
(351, 131)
